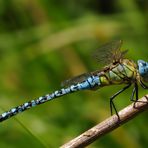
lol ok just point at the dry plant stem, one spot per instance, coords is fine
(109, 124)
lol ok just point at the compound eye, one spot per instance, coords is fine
(141, 63)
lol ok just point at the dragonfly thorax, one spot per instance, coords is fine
(119, 73)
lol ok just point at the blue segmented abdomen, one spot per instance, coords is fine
(89, 83)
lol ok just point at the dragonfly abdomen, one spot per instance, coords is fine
(89, 83)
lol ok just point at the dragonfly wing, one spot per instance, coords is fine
(109, 53)
(75, 80)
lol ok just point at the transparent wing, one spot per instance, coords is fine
(75, 80)
(109, 53)
(106, 54)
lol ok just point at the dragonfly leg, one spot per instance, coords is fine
(135, 91)
(112, 105)
(143, 85)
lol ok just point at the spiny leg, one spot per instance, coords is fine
(112, 105)
(135, 91)
(143, 85)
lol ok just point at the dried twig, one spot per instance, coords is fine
(109, 124)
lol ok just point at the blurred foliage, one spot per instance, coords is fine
(43, 42)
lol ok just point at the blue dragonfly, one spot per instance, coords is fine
(118, 70)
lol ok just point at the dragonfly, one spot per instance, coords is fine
(117, 70)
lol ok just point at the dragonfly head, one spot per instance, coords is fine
(143, 70)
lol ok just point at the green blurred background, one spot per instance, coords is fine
(43, 42)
